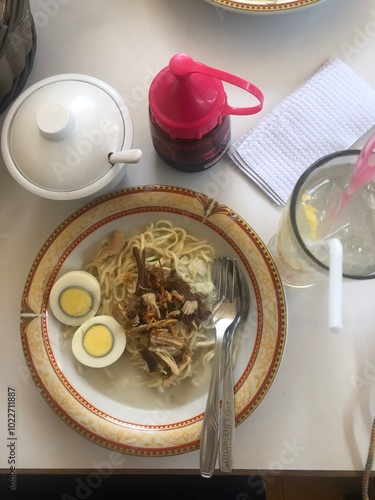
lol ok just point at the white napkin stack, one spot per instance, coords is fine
(328, 113)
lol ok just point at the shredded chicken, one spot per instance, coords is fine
(150, 301)
(114, 247)
(161, 317)
(190, 306)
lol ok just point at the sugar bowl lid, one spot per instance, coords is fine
(59, 133)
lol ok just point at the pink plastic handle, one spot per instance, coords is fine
(182, 64)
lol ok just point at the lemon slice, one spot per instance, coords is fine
(310, 215)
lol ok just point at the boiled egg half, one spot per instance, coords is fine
(75, 297)
(99, 342)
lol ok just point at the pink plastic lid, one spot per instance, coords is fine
(187, 98)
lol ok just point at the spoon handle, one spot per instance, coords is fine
(126, 156)
(210, 428)
(227, 420)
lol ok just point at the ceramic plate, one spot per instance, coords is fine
(110, 409)
(262, 6)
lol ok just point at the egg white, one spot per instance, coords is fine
(75, 279)
(119, 342)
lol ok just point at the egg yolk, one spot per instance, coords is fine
(75, 302)
(98, 340)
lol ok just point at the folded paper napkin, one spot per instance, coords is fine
(328, 113)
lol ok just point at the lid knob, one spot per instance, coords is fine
(55, 121)
(181, 64)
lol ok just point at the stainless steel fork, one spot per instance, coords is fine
(227, 415)
(224, 314)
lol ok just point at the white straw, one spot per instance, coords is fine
(334, 247)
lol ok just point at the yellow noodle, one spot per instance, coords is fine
(171, 248)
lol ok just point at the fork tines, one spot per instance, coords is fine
(224, 278)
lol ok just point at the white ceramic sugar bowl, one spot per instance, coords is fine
(68, 137)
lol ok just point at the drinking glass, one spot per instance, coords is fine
(312, 215)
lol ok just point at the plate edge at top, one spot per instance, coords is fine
(266, 8)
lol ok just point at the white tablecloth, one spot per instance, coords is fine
(317, 414)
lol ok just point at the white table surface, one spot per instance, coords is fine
(318, 413)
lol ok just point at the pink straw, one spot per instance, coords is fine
(364, 172)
